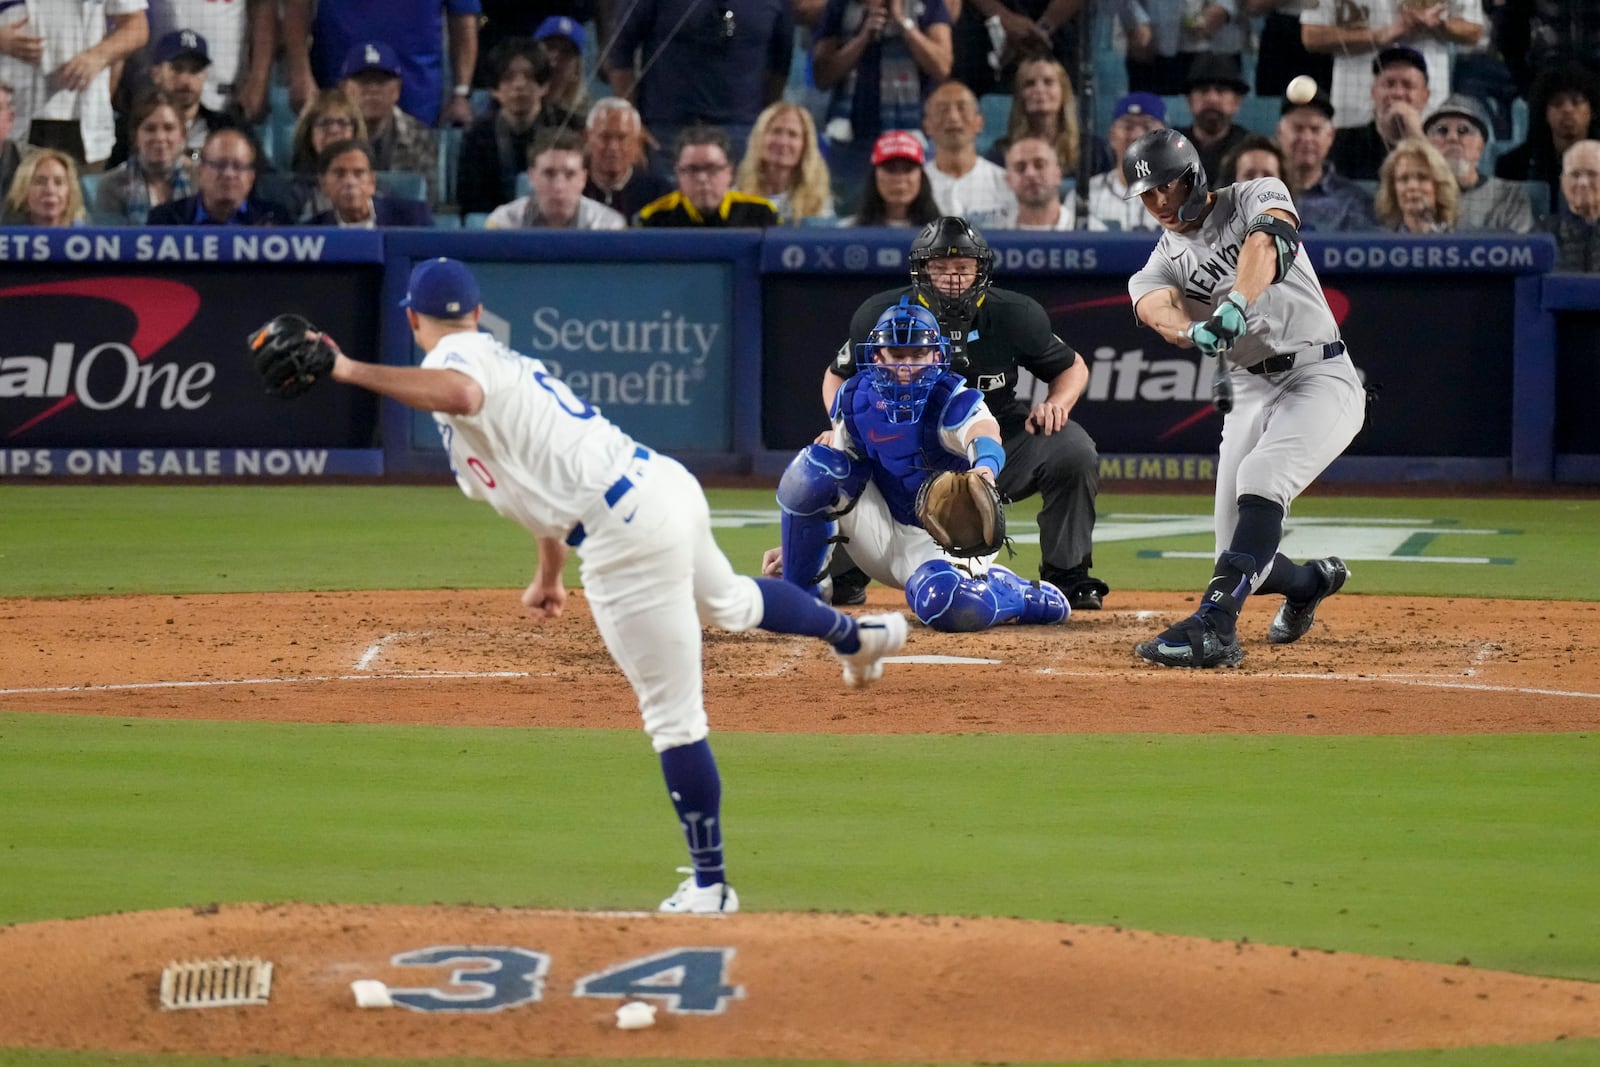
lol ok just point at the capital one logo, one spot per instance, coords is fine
(1142, 168)
(123, 373)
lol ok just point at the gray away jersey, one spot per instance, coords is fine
(1289, 316)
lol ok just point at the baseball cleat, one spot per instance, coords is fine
(1294, 619)
(1192, 643)
(1087, 595)
(880, 636)
(692, 899)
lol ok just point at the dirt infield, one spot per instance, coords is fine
(816, 986)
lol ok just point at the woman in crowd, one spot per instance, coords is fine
(784, 164)
(897, 192)
(1255, 156)
(330, 116)
(157, 170)
(1417, 193)
(1043, 105)
(45, 191)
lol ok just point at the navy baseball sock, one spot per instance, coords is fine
(1296, 581)
(1255, 536)
(788, 609)
(696, 791)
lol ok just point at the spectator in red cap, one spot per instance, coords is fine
(898, 193)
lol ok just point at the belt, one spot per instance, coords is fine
(618, 490)
(1288, 361)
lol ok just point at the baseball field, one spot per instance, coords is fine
(310, 725)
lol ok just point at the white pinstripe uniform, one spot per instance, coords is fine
(1285, 428)
(639, 522)
(1351, 91)
(68, 27)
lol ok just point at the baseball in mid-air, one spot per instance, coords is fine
(1301, 89)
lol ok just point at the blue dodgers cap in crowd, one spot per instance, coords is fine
(370, 55)
(560, 26)
(442, 288)
(180, 43)
(1141, 104)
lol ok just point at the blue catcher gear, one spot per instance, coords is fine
(818, 486)
(945, 599)
(903, 386)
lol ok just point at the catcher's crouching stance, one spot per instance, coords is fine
(909, 483)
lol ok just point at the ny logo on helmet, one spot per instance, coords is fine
(1142, 168)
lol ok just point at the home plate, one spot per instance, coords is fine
(938, 659)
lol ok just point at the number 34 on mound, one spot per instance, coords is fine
(688, 981)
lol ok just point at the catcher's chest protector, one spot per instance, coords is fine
(903, 454)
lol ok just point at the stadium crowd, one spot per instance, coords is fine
(1454, 116)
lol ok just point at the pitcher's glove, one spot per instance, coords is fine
(291, 354)
(963, 513)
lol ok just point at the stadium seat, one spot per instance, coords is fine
(402, 184)
(91, 185)
(1259, 114)
(475, 220)
(524, 185)
(1178, 113)
(449, 163)
(996, 110)
(1538, 194)
(1519, 121)
(447, 220)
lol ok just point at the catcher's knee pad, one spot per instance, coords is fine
(821, 482)
(946, 599)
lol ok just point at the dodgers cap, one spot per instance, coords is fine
(443, 288)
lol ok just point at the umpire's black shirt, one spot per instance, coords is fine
(1010, 331)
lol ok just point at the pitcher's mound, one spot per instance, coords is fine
(518, 984)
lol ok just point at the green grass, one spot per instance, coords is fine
(66, 540)
(1426, 848)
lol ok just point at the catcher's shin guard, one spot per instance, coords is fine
(1034, 603)
(819, 485)
(946, 599)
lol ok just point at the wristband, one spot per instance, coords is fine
(462, 90)
(908, 23)
(987, 452)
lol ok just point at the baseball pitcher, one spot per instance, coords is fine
(522, 441)
(1230, 278)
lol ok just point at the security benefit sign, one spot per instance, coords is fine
(650, 345)
(129, 372)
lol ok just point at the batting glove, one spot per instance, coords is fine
(1225, 326)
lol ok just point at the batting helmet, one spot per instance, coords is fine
(943, 238)
(904, 387)
(1161, 156)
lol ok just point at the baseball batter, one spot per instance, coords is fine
(1230, 278)
(521, 440)
(899, 421)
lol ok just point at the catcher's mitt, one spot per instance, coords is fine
(291, 354)
(963, 512)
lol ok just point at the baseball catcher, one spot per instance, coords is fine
(909, 482)
(291, 354)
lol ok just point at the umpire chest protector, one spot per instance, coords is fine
(903, 455)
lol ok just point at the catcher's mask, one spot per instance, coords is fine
(944, 238)
(1161, 156)
(904, 386)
